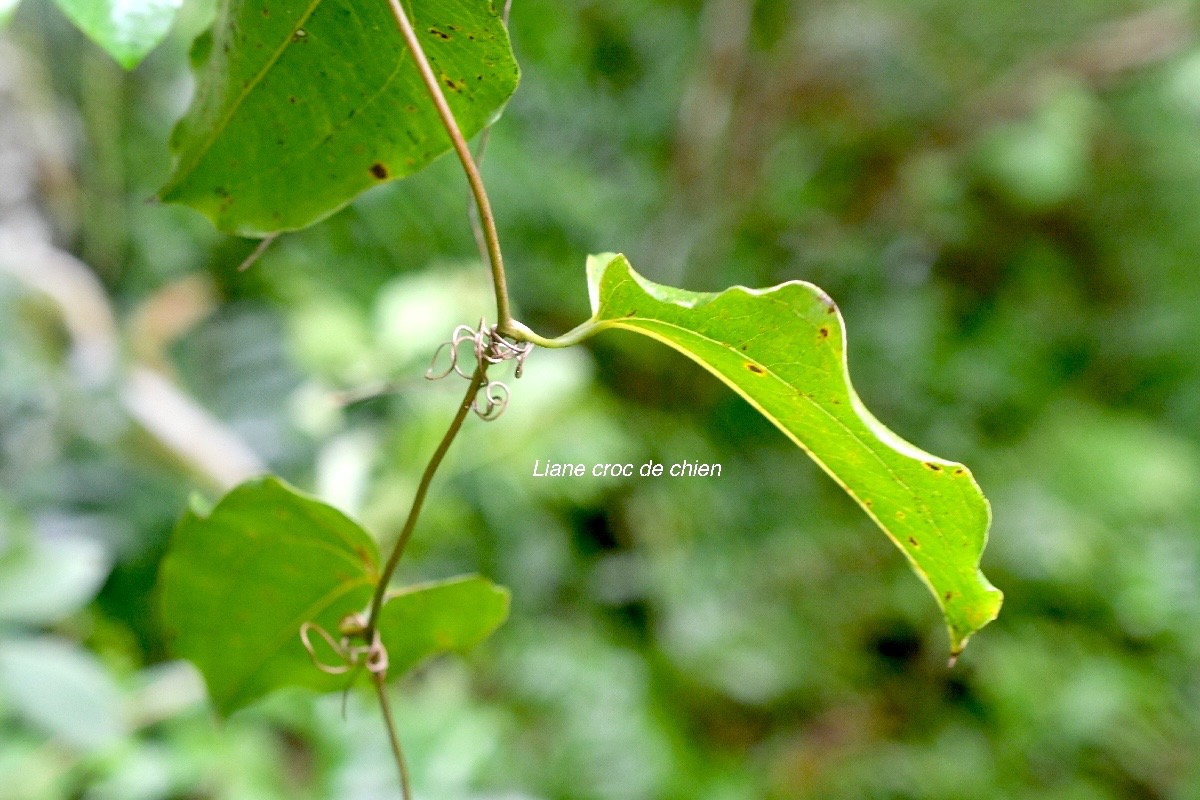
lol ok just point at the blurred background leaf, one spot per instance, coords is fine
(127, 30)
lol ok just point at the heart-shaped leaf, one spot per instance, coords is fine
(783, 350)
(301, 105)
(239, 583)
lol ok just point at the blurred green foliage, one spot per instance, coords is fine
(1004, 198)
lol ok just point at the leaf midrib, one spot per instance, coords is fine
(611, 297)
(926, 513)
(711, 297)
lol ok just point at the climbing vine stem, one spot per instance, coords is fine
(478, 380)
(393, 737)
(484, 225)
(480, 150)
(504, 318)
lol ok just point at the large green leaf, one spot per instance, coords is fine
(127, 29)
(303, 104)
(239, 583)
(783, 350)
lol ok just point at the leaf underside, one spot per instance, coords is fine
(783, 350)
(301, 105)
(240, 581)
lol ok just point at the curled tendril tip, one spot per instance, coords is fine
(373, 656)
(488, 347)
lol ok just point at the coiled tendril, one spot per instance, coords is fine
(376, 655)
(488, 347)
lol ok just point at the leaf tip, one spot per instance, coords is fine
(982, 611)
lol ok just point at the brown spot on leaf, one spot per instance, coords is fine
(755, 368)
(266, 12)
(292, 99)
(823, 333)
(868, 502)
(379, 170)
(929, 465)
(913, 541)
(959, 471)
(900, 514)
(445, 37)
(949, 596)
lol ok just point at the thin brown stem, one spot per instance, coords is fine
(393, 736)
(385, 578)
(491, 238)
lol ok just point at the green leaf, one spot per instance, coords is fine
(238, 584)
(127, 29)
(303, 104)
(448, 616)
(783, 350)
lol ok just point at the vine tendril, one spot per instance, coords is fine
(373, 656)
(489, 347)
